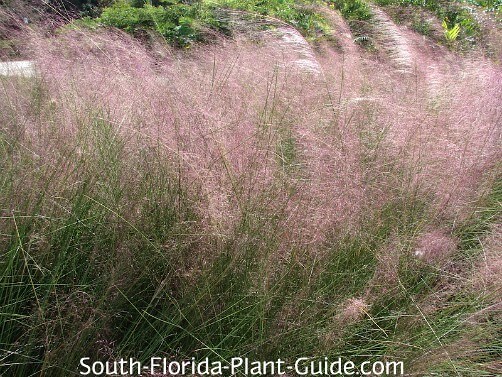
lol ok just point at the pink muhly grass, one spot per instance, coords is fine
(354, 309)
(361, 135)
(487, 276)
(435, 246)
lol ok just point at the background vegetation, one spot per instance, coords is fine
(183, 23)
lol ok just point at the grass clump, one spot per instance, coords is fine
(71, 253)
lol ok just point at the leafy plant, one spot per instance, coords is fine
(451, 34)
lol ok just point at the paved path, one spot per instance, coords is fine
(24, 68)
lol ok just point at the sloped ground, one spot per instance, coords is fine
(257, 195)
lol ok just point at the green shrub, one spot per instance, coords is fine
(179, 23)
(422, 26)
(353, 9)
(491, 5)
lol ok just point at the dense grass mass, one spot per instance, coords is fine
(253, 196)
